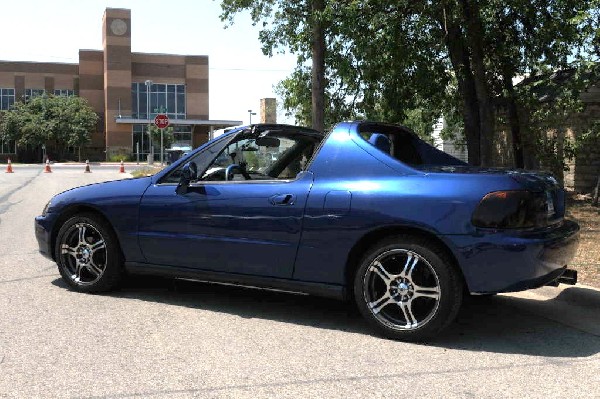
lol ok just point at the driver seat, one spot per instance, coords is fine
(381, 142)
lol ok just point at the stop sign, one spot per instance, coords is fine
(161, 121)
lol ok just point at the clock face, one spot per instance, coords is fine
(118, 27)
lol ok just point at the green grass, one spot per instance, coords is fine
(120, 157)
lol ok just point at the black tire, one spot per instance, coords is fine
(88, 255)
(408, 288)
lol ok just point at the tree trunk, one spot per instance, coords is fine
(557, 169)
(513, 119)
(596, 192)
(474, 38)
(529, 137)
(318, 66)
(459, 57)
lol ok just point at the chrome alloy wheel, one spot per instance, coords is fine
(401, 289)
(83, 253)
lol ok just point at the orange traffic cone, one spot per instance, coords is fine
(9, 167)
(47, 168)
(87, 166)
(122, 168)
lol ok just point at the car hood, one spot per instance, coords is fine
(109, 183)
(101, 193)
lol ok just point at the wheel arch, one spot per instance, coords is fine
(374, 236)
(71, 211)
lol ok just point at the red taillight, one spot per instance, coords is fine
(518, 209)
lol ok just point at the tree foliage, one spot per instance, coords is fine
(412, 62)
(548, 102)
(300, 26)
(64, 121)
(168, 136)
(530, 39)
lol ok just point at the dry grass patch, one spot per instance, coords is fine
(587, 260)
(146, 171)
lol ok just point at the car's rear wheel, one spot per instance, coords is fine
(407, 288)
(88, 255)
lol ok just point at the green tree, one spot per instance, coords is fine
(50, 120)
(396, 60)
(458, 55)
(526, 39)
(372, 68)
(300, 26)
(168, 136)
(25, 124)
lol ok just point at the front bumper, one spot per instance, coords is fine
(43, 234)
(515, 261)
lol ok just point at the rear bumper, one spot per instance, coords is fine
(514, 261)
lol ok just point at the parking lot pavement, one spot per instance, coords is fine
(163, 339)
(12, 182)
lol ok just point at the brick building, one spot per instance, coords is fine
(126, 90)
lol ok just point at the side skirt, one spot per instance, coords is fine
(304, 287)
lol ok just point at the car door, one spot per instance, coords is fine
(241, 226)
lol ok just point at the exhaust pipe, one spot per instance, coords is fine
(568, 277)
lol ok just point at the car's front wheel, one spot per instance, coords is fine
(407, 288)
(88, 255)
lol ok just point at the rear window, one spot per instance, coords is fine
(405, 146)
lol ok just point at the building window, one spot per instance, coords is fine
(7, 98)
(182, 138)
(32, 93)
(163, 98)
(140, 140)
(64, 92)
(8, 147)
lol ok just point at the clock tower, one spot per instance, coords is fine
(116, 44)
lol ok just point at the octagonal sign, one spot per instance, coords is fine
(161, 121)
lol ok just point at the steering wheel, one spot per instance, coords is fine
(229, 172)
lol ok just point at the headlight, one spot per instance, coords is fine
(45, 210)
(517, 209)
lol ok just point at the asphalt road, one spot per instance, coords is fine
(163, 339)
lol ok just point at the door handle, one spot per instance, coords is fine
(282, 199)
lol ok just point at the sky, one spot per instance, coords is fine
(240, 75)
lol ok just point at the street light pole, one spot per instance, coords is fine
(151, 147)
(251, 113)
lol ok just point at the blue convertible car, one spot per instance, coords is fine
(368, 212)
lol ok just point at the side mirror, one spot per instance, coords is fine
(189, 171)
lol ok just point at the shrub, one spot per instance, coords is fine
(119, 156)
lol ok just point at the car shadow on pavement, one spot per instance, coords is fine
(484, 324)
(244, 302)
(501, 324)
(581, 296)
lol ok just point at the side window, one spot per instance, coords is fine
(298, 160)
(260, 158)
